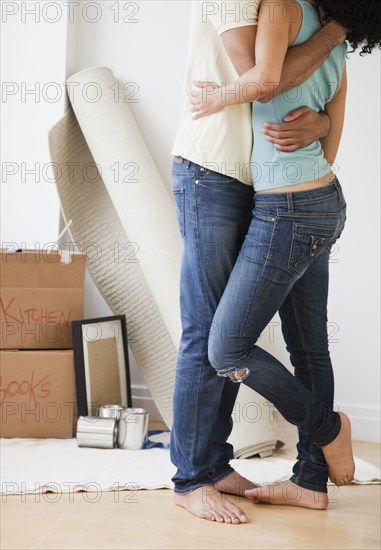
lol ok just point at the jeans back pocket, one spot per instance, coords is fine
(308, 241)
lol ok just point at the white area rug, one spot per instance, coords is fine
(60, 466)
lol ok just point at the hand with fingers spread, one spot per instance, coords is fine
(206, 100)
(299, 129)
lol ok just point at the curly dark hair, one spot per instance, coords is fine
(361, 18)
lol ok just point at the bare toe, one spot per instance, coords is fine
(252, 493)
(236, 515)
(208, 503)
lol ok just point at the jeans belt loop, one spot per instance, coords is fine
(290, 203)
(338, 189)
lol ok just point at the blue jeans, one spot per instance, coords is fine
(214, 214)
(283, 266)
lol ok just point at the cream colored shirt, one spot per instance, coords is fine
(222, 141)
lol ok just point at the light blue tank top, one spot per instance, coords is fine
(271, 168)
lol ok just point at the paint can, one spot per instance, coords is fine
(133, 428)
(109, 411)
(93, 431)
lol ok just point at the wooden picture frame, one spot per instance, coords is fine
(102, 370)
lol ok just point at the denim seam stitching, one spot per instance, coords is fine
(181, 194)
(194, 204)
(205, 294)
(304, 344)
(221, 181)
(199, 259)
(250, 302)
(301, 214)
(326, 241)
(291, 253)
(314, 226)
(299, 477)
(298, 201)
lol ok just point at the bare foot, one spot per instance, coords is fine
(234, 484)
(339, 455)
(208, 503)
(289, 494)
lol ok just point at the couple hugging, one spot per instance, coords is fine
(259, 208)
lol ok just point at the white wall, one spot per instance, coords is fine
(355, 290)
(152, 53)
(36, 50)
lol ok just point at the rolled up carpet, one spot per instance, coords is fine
(124, 217)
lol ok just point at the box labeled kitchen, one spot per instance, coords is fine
(40, 294)
(37, 393)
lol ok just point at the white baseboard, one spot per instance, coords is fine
(141, 397)
(366, 423)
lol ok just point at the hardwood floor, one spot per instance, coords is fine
(149, 519)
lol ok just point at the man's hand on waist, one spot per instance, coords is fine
(299, 129)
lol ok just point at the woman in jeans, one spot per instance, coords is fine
(283, 265)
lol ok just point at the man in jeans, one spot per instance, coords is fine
(214, 200)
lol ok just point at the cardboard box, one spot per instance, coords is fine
(40, 294)
(37, 394)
